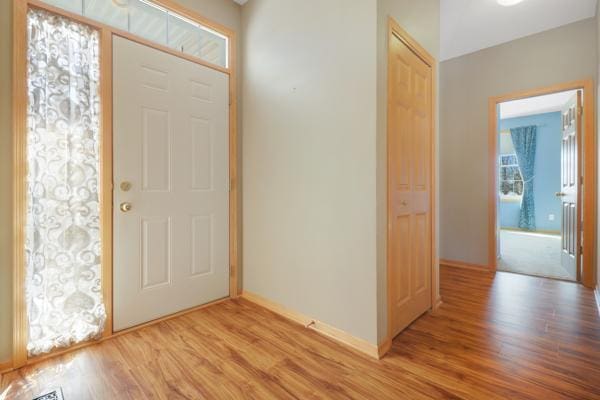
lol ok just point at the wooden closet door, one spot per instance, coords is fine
(409, 185)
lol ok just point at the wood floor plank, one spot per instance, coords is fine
(496, 336)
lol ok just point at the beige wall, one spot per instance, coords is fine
(421, 19)
(225, 12)
(309, 121)
(559, 55)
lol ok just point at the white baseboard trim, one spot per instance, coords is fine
(324, 329)
(597, 295)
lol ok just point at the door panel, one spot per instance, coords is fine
(156, 252)
(171, 144)
(156, 150)
(409, 185)
(569, 193)
(201, 155)
(401, 256)
(422, 260)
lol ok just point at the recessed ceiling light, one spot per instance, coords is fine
(507, 3)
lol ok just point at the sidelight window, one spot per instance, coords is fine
(62, 233)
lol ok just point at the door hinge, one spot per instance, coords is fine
(580, 249)
(580, 111)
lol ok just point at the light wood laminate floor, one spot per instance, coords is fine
(502, 336)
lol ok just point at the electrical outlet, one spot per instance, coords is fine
(551, 217)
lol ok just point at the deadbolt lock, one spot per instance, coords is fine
(125, 186)
(125, 207)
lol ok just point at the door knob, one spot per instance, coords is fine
(125, 207)
(404, 203)
(560, 194)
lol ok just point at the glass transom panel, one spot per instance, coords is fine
(152, 22)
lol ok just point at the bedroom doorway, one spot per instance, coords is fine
(542, 157)
(538, 162)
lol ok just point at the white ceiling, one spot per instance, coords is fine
(535, 105)
(471, 25)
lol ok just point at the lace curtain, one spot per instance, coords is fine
(63, 287)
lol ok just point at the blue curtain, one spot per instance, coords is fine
(524, 140)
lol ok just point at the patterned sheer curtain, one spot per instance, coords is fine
(63, 287)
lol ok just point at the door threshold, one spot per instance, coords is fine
(555, 278)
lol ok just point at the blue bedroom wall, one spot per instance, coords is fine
(547, 172)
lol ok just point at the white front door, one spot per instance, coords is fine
(171, 167)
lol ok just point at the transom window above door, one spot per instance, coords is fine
(150, 21)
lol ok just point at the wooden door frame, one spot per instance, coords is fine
(19, 115)
(589, 164)
(395, 30)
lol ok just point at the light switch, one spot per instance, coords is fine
(551, 217)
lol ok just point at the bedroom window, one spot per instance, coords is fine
(511, 181)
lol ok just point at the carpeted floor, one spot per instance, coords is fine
(532, 254)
